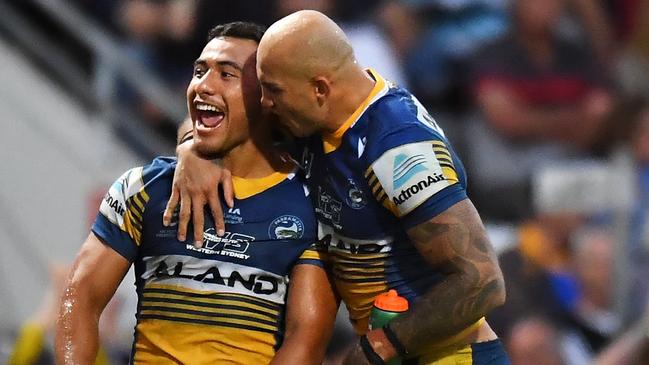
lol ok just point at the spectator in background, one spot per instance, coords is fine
(535, 340)
(592, 316)
(631, 348)
(537, 272)
(541, 97)
(638, 234)
(443, 37)
(559, 279)
(640, 150)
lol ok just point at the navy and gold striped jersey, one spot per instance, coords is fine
(387, 169)
(224, 302)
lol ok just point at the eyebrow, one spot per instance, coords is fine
(201, 62)
(270, 84)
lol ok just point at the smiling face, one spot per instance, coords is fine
(223, 95)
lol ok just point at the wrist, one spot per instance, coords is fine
(381, 344)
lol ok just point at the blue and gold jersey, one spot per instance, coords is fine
(387, 169)
(224, 302)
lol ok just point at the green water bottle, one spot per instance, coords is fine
(386, 307)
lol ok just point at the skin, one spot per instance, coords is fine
(224, 76)
(315, 91)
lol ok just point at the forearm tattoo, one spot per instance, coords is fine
(456, 244)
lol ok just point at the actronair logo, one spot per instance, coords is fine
(412, 190)
(405, 167)
(409, 175)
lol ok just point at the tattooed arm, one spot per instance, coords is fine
(456, 244)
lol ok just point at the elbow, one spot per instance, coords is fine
(501, 293)
(495, 291)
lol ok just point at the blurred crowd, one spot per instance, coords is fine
(546, 102)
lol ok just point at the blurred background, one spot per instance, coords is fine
(545, 101)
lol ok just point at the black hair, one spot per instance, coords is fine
(244, 30)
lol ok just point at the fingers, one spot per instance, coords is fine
(197, 218)
(171, 207)
(228, 191)
(183, 216)
(217, 213)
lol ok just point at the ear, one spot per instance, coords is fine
(322, 89)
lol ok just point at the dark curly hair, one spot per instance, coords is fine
(244, 30)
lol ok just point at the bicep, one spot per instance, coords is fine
(97, 272)
(454, 240)
(312, 303)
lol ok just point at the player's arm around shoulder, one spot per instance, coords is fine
(95, 275)
(196, 183)
(310, 314)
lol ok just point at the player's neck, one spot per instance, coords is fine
(356, 88)
(254, 159)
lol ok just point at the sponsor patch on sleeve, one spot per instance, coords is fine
(114, 205)
(406, 176)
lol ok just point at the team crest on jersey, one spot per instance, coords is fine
(286, 227)
(355, 197)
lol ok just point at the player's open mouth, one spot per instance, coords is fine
(208, 115)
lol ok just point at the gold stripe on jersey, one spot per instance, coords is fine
(451, 356)
(197, 295)
(211, 310)
(137, 202)
(311, 254)
(220, 321)
(379, 192)
(245, 188)
(130, 227)
(133, 215)
(358, 298)
(357, 257)
(211, 299)
(175, 303)
(162, 342)
(359, 268)
(445, 161)
(372, 180)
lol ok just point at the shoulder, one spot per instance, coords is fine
(137, 183)
(399, 119)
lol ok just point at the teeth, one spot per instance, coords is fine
(207, 107)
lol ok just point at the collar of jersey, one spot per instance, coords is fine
(245, 188)
(331, 141)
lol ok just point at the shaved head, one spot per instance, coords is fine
(308, 43)
(308, 74)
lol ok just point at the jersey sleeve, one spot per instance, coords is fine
(315, 254)
(413, 172)
(119, 221)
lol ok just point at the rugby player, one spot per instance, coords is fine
(229, 300)
(390, 197)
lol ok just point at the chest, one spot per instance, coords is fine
(342, 198)
(257, 235)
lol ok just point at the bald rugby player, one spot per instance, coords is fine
(390, 197)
